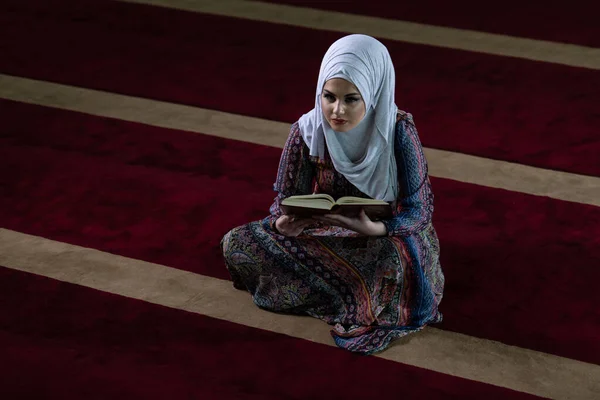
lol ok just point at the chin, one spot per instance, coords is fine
(343, 129)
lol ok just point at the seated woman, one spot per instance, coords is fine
(375, 281)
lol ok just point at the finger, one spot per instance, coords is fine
(339, 218)
(294, 220)
(305, 223)
(300, 222)
(362, 216)
(333, 222)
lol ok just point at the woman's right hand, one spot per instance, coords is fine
(288, 225)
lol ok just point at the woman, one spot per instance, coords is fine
(375, 281)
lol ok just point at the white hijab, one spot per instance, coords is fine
(365, 154)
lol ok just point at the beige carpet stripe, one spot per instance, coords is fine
(447, 352)
(442, 164)
(404, 31)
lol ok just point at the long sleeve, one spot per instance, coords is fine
(414, 206)
(295, 174)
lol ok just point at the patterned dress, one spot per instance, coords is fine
(371, 289)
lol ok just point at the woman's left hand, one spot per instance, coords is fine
(361, 224)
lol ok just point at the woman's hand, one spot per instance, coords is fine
(288, 225)
(361, 224)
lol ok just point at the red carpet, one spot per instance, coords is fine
(70, 342)
(573, 22)
(517, 265)
(497, 107)
(520, 269)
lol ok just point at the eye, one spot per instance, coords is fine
(329, 97)
(352, 99)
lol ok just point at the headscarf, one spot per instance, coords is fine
(365, 154)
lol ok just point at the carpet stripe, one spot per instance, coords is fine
(443, 164)
(113, 347)
(495, 107)
(144, 192)
(450, 353)
(410, 32)
(578, 24)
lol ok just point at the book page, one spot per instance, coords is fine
(360, 200)
(302, 197)
(320, 201)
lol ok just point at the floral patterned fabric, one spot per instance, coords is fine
(371, 289)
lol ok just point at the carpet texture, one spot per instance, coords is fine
(556, 21)
(80, 343)
(516, 265)
(497, 107)
(520, 269)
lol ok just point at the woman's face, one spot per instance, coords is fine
(342, 104)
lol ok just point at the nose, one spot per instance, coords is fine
(338, 108)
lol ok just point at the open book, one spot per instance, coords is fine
(319, 204)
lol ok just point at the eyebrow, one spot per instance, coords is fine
(349, 94)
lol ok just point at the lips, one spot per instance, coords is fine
(338, 121)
